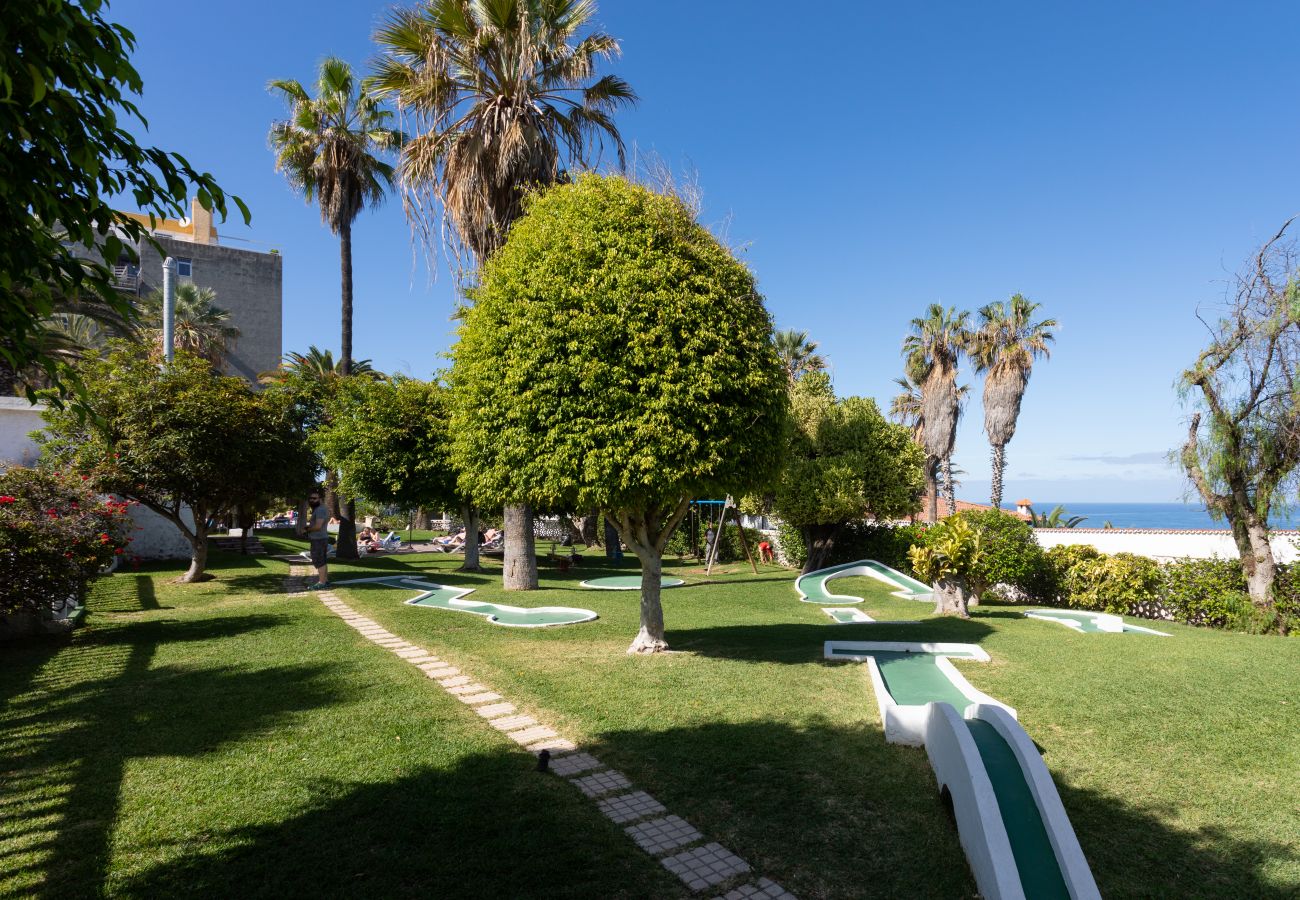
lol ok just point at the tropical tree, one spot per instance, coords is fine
(181, 439)
(503, 98)
(931, 354)
(330, 149)
(950, 561)
(1245, 461)
(199, 326)
(318, 365)
(616, 357)
(798, 354)
(844, 462)
(1003, 348)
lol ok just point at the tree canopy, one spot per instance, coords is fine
(68, 84)
(181, 436)
(844, 462)
(617, 357)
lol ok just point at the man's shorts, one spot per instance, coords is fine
(320, 552)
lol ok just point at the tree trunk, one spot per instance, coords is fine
(421, 519)
(346, 548)
(932, 486)
(999, 465)
(519, 569)
(949, 491)
(198, 550)
(950, 598)
(345, 259)
(469, 515)
(650, 637)
(591, 529)
(820, 541)
(1257, 560)
(8, 380)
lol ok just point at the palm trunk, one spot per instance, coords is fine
(469, 515)
(932, 486)
(949, 491)
(999, 465)
(519, 567)
(345, 258)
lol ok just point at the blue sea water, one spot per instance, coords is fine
(1147, 515)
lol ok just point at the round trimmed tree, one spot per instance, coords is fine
(618, 357)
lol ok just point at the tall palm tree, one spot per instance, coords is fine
(504, 99)
(798, 355)
(199, 325)
(931, 352)
(1004, 348)
(330, 150)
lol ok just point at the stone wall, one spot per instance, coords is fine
(1164, 545)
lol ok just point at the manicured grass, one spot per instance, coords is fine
(201, 738)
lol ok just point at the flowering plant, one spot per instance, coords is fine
(56, 535)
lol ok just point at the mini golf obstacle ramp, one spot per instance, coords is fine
(440, 596)
(1010, 820)
(813, 587)
(1089, 622)
(626, 583)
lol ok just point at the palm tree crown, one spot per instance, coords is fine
(200, 326)
(327, 148)
(798, 354)
(318, 365)
(1004, 348)
(502, 91)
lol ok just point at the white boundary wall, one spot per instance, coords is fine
(1164, 545)
(154, 537)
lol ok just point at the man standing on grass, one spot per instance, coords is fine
(319, 535)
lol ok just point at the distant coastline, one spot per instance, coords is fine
(1148, 515)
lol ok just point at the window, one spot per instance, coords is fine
(185, 267)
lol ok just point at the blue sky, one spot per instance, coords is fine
(1112, 161)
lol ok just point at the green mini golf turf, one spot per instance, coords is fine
(626, 583)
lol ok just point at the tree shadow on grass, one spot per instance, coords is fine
(67, 743)
(800, 642)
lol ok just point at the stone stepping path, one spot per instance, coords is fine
(678, 845)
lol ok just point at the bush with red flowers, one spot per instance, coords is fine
(55, 537)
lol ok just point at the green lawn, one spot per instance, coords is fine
(221, 738)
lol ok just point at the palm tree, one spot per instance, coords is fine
(798, 354)
(1057, 518)
(199, 325)
(317, 364)
(1004, 348)
(931, 352)
(505, 99)
(329, 150)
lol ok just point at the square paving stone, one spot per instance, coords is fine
(574, 763)
(481, 697)
(411, 652)
(456, 682)
(422, 659)
(509, 723)
(705, 866)
(661, 835)
(471, 688)
(602, 783)
(630, 807)
(494, 710)
(766, 889)
(438, 670)
(556, 745)
(530, 735)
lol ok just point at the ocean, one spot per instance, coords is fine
(1148, 515)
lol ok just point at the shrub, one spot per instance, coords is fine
(1012, 557)
(1205, 592)
(55, 536)
(1122, 583)
(886, 544)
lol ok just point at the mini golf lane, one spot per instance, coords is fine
(440, 596)
(1009, 815)
(1090, 622)
(813, 587)
(626, 583)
